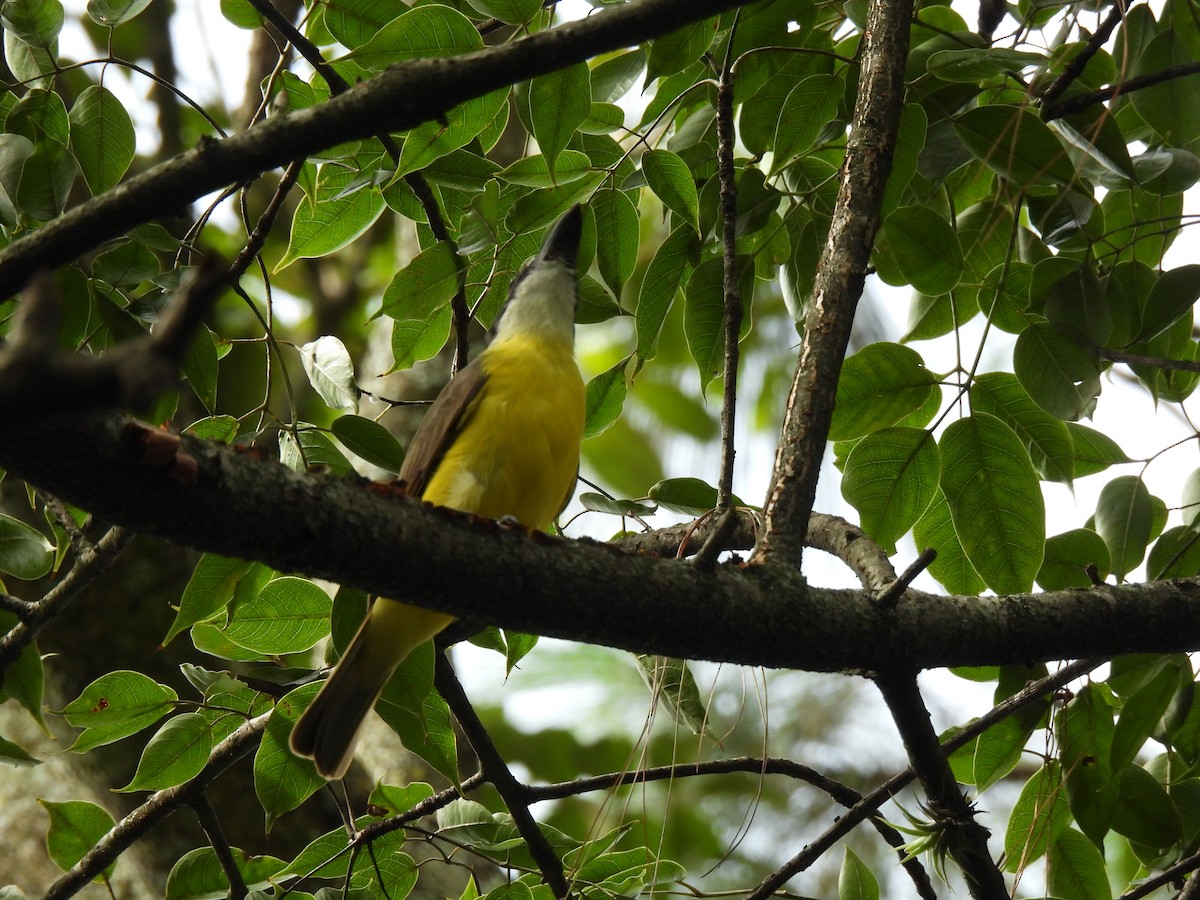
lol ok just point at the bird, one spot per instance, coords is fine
(502, 441)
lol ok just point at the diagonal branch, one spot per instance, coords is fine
(839, 281)
(403, 96)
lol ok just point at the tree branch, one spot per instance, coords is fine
(839, 281)
(38, 379)
(225, 500)
(157, 807)
(401, 97)
(1083, 101)
(495, 770)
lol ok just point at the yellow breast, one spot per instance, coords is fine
(517, 451)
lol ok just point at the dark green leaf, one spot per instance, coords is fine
(1075, 869)
(115, 706)
(75, 827)
(1041, 814)
(926, 249)
(658, 290)
(1046, 438)
(1123, 518)
(1067, 557)
(175, 754)
(1060, 375)
(674, 183)
(891, 477)
(1015, 143)
(558, 104)
(25, 552)
(422, 287)
(995, 501)
(617, 232)
(282, 780)
(369, 440)
(605, 399)
(951, 568)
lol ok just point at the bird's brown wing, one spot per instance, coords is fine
(437, 431)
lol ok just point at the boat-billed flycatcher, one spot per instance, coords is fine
(501, 439)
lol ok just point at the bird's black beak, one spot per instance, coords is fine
(562, 239)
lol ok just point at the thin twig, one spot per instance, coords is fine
(967, 843)
(211, 824)
(1181, 868)
(872, 801)
(730, 286)
(495, 770)
(1141, 82)
(1156, 362)
(890, 594)
(89, 563)
(1079, 62)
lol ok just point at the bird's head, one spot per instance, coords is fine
(544, 294)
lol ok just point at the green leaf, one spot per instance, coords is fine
(678, 49)
(617, 232)
(24, 680)
(856, 881)
(333, 216)
(311, 448)
(326, 856)
(210, 588)
(432, 140)
(511, 12)
(330, 371)
(287, 616)
(102, 138)
(1040, 815)
(111, 13)
(878, 386)
(1176, 554)
(534, 171)
(995, 501)
(424, 286)
(1141, 713)
(659, 286)
(355, 22)
(25, 552)
(115, 706)
(891, 477)
(1124, 513)
(1015, 143)
(673, 181)
(430, 30)
(972, 65)
(926, 249)
(1172, 106)
(397, 800)
(558, 104)
(1145, 813)
(14, 755)
(198, 874)
(672, 683)
(75, 827)
(594, 502)
(369, 440)
(1094, 451)
(200, 367)
(220, 429)
(690, 496)
(605, 399)
(36, 22)
(1173, 295)
(282, 781)
(1046, 438)
(1075, 868)
(1061, 376)
(1067, 557)
(46, 181)
(704, 314)
(998, 751)
(418, 714)
(175, 754)
(414, 340)
(951, 568)
(809, 108)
